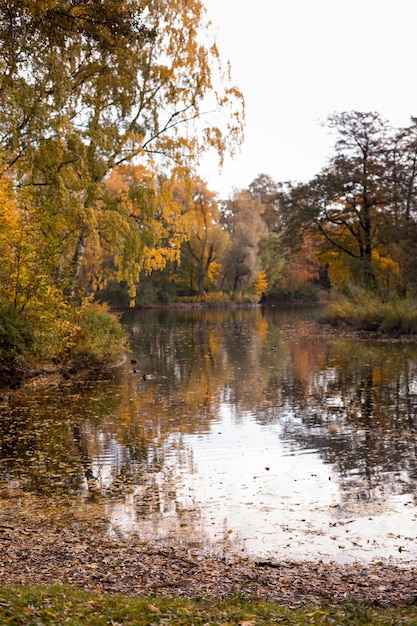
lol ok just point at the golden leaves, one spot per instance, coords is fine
(260, 284)
(149, 227)
(87, 101)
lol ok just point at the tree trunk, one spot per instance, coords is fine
(77, 261)
(201, 283)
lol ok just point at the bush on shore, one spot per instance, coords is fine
(96, 334)
(86, 334)
(220, 298)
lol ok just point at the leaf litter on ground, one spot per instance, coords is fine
(46, 551)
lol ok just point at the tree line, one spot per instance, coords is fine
(354, 223)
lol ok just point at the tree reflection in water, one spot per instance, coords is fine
(258, 421)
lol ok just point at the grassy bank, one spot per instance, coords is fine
(66, 337)
(56, 605)
(363, 310)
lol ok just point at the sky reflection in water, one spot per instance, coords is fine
(240, 488)
(303, 477)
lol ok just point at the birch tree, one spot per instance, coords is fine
(89, 84)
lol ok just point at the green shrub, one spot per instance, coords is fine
(98, 334)
(306, 291)
(16, 344)
(56, 332)
(16, 335)
(221, 298)
(400, 316)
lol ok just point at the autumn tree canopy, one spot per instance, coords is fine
(90, 84)
(362, 205)
(204, 247)
(354, 222)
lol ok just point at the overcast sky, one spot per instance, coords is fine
(296, 62)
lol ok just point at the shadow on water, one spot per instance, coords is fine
(256, 431)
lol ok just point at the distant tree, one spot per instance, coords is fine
(260, 283)
(204, 248)
(242, 217)
(401, 233)
(274, 257)
(264, 189)
(346, 203)
(274, 254)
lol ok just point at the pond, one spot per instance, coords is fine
(254, 431)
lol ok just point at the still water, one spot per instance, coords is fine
(256, 432)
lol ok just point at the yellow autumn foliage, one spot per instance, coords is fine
(149, 226)
(342, 268)
(260, 284)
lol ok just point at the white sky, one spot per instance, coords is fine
(297, 61)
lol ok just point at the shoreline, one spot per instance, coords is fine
(45, 554)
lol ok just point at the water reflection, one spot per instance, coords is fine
(259, 431)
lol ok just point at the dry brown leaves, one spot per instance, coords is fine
(47, 554)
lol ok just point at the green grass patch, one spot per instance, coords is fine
(221, 298)
(59, 605)
(364, 310)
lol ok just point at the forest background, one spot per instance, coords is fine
(106, 110)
